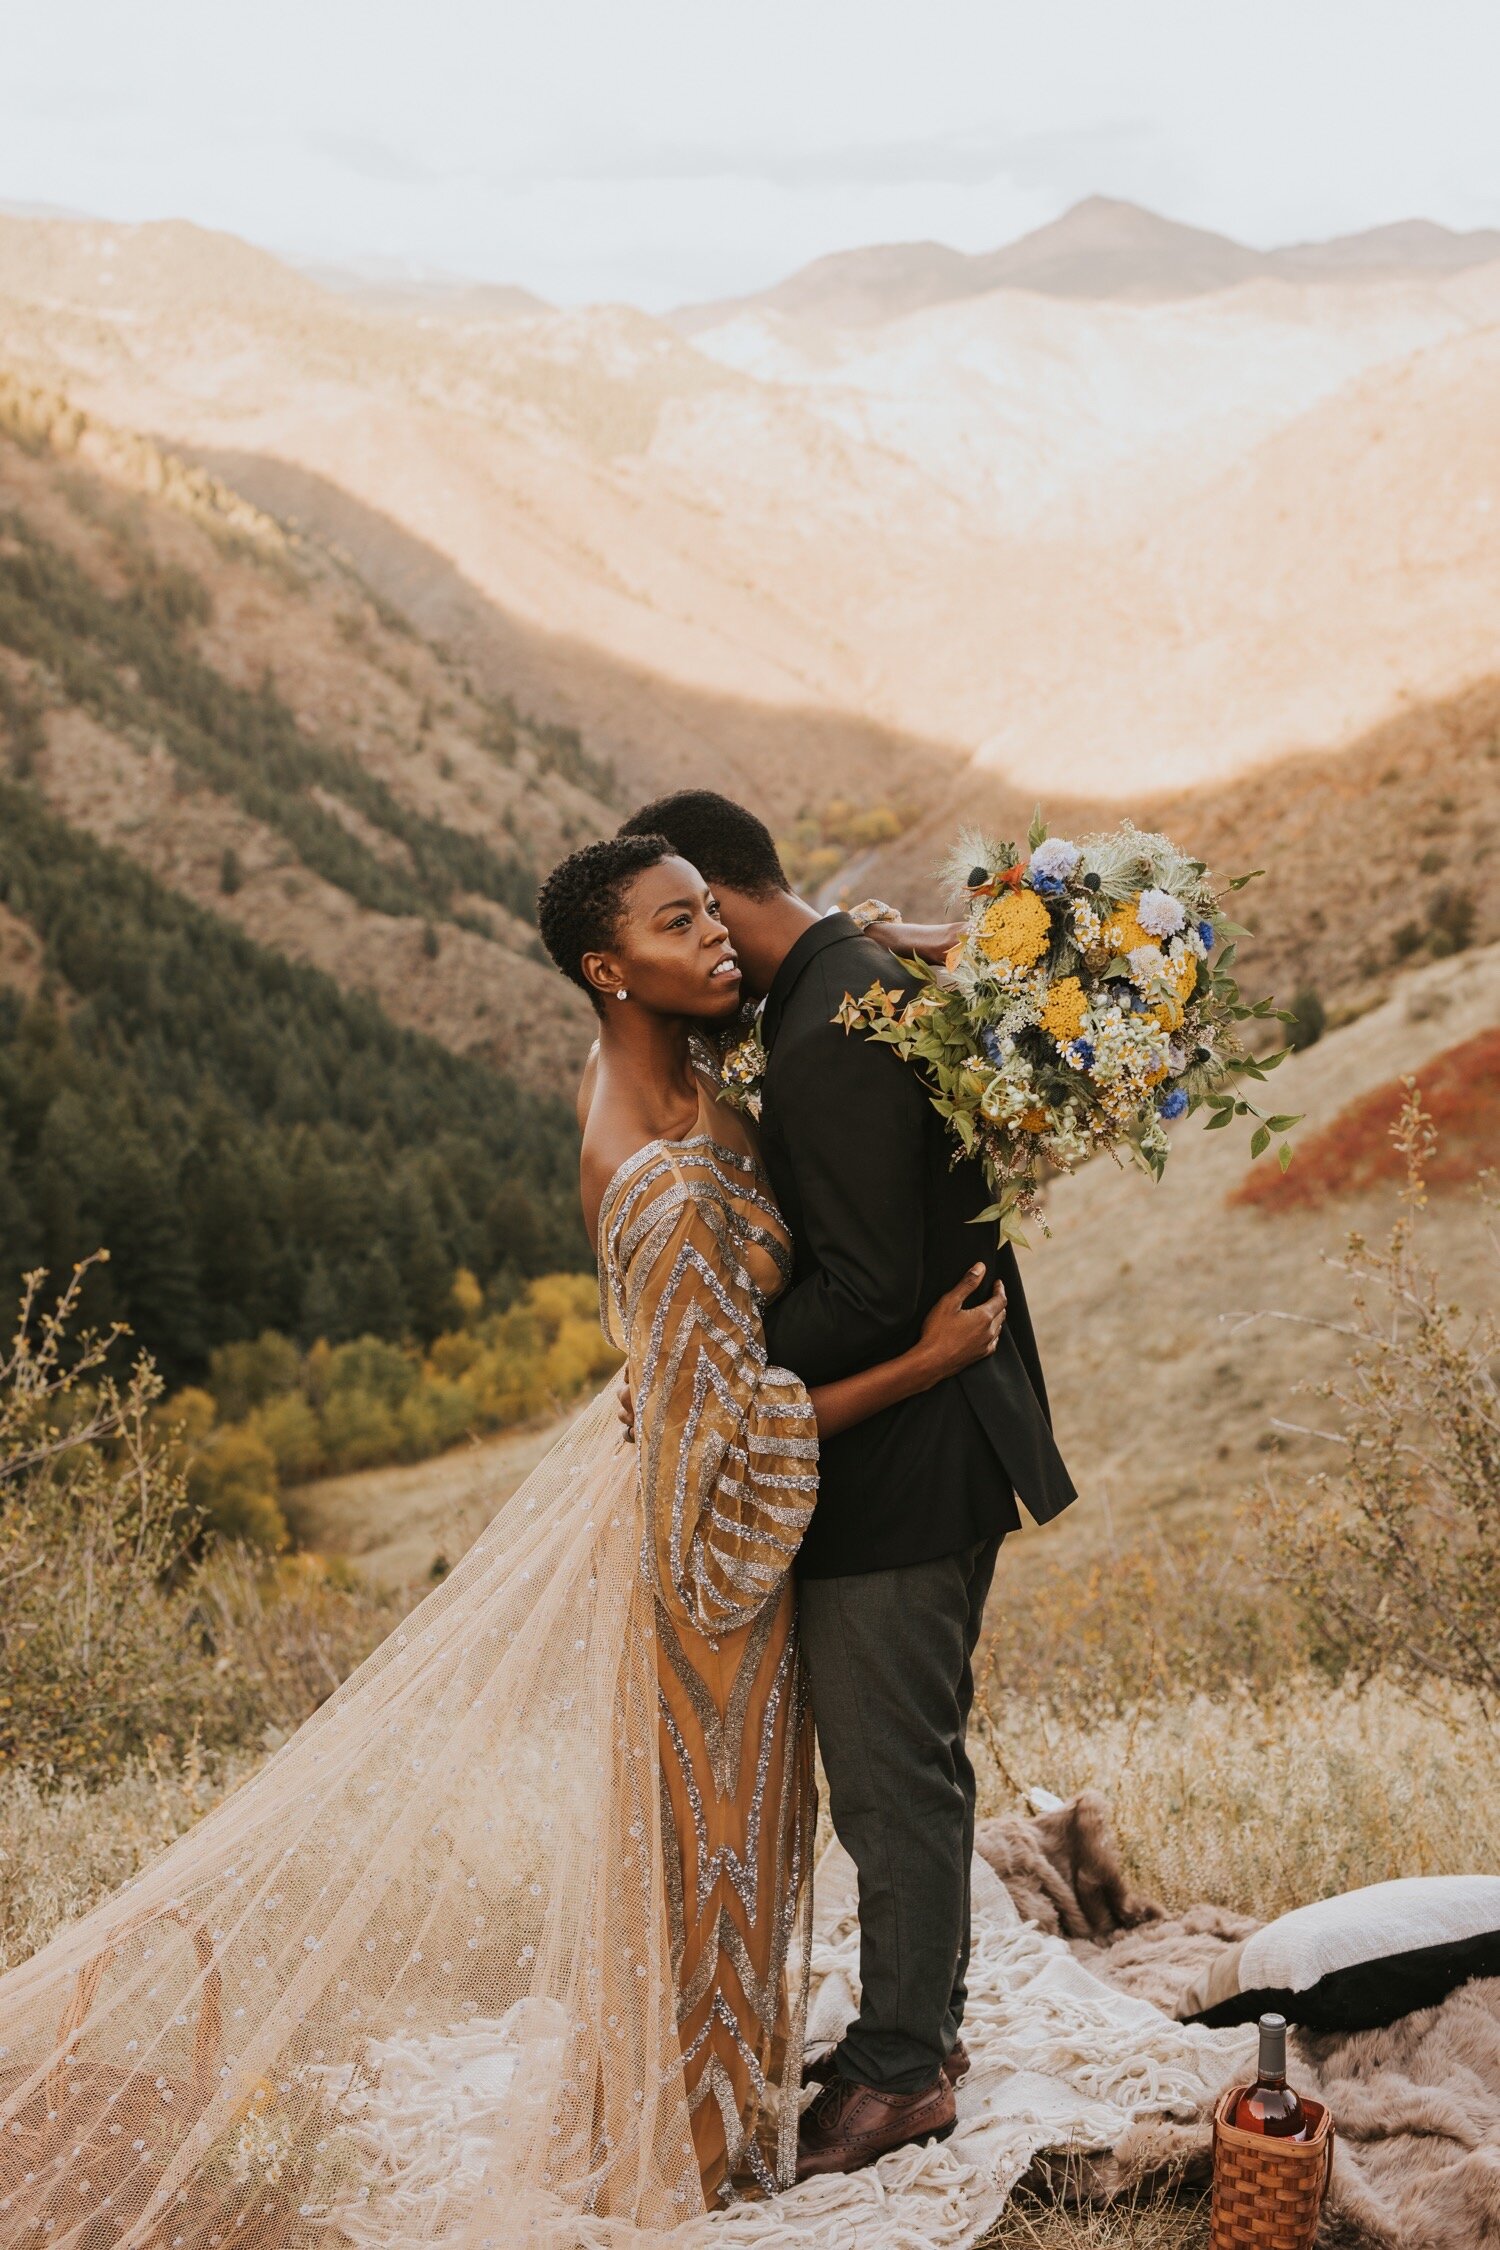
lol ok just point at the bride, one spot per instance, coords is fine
(497, 1948)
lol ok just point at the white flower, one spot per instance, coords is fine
(1056, 857)
(1160, 913)
(1145, 963)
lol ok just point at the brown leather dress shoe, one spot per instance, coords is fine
(848, 2126)
(819, 2070)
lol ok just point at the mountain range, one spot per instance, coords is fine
(1101, 248)
(1171, 516)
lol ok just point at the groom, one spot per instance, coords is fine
(912, 1504)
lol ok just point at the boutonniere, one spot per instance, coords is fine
(742, 1070)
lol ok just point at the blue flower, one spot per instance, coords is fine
(989, 1040)
(1173, 1104)
(1206, 936)
(1047, 886)
(1081, 1054)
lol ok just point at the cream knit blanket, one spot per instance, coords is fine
(1059, 2059)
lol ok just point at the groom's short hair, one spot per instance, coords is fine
(724, 841)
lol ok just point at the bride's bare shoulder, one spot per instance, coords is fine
(586, 1085)
(606, 1146)
(613, 1134)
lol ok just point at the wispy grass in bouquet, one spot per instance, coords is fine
(1089, 1004)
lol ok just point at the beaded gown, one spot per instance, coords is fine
(495, 1951)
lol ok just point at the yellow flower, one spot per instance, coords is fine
(1186, 971)
(1168, 1014)
(1064, 1011)
(1033, 1121)
(1016, 927)
(1122, 932)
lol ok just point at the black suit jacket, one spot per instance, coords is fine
(881, 1225)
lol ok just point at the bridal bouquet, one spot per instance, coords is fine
(1088, 1004)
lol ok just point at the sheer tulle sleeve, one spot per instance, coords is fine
(727, 1444)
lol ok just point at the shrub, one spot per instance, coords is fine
(289, 1427)
(232, 1481)
(1309, 1019)
(1398, 1565)
(93, 1515)
(244, 1376)
(1450, 921)
(124, 1623)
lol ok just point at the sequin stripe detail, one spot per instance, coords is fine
(723, 1734)
(737, 1179)
(737, 1868)
(794, 1519)
(713, 1349)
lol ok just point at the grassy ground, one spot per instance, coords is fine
(1262, 1803)
(1150, 2223)
(62, 1850)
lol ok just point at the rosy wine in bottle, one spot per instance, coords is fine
(1271, 2106)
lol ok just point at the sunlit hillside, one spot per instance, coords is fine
(1105, 543)
(228, 703)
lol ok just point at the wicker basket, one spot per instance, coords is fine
(1268, 2193)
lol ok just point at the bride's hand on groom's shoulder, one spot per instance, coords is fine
(929, 941)
(955, 1334)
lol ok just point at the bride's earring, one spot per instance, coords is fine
(622, 994)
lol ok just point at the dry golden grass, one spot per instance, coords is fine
(62, 1850)
(1138, 2222)
(1264, 1802)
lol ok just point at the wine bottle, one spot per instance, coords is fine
(1271, 2106)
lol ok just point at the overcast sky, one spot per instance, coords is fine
(657, 150)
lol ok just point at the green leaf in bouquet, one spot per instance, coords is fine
(1037, 832)
(1260, 1140)
(1282, 1124)
(1284, 1155)
(1225, 961)
(1239, 882)
(1220, 1117)
(1232, 930)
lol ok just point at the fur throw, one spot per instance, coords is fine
(1416, 2105)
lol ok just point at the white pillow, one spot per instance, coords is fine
(1368, 1956)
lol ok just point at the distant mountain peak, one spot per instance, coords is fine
(1100, 248)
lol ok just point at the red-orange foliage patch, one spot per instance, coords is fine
(1461, 1093)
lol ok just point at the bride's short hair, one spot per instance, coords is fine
(725, 842)
(579, 906)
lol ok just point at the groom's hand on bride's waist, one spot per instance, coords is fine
(625, 1405)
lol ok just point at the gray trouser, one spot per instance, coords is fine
(889, 1662)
